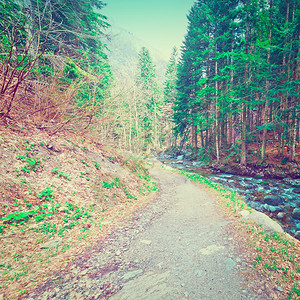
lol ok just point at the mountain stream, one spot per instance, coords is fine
(279, 199)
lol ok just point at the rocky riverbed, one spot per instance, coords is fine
(278, 198)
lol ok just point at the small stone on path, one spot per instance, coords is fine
(211, 249)
(146, 242)
(230, 264)
(52, 244)
(244, 213)
(132, 274)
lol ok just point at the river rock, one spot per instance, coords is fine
(280, 215)
(273, 200)
(198, 164)
(271, 208)
(292, 182)
(297, 190)
(268, 225)
(296, 213)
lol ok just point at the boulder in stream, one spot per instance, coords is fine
(273, 200)
(292, 182)
(296, 213)
(271, 208)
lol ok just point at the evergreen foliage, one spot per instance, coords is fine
(170, 91)
(150, 99)
(238, 78)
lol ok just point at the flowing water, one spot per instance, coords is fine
(280, 199)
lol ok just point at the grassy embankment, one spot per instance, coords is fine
(59, 196)
(275, 257)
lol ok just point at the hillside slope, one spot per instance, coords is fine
(58, 195)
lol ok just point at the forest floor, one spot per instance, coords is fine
(186, 244)
(59, 195)
(80, 221)
(274, 165)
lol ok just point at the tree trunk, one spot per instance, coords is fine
(195, 139)
(293, 138)
(217, 113)
(266, 106)
(244, 142)
(244, 108)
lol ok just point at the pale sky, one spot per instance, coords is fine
(160, 23)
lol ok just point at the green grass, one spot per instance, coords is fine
(276, 255)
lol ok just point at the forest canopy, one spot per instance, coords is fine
(238, 78)
(235, 85)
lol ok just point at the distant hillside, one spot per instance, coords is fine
(123, 54)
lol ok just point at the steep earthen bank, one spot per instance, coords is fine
(290, 170)
(59, 195)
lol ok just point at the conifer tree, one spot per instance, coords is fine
(149, 99)
(170, 91)
(170, 94)
(237, 78)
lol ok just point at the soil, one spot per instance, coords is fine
(181, 246)
(59, 194)
(272, 171)
(275, 165)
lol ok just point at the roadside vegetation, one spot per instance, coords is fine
(60, 196)
(276, 256)
(63, 184)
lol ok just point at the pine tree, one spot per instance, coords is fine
(170, 94)
(189, 74)
(170, 91)
(238, 76)
(149, 101)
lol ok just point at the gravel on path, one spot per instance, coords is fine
(178, 247)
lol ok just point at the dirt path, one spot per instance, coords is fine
(177, 248)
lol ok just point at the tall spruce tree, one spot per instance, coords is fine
(170, 91)
(170, 94)
(149, 100)
(189, 74)
(238, 77)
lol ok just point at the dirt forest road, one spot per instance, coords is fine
(178, 247)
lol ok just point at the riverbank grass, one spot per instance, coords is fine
(275, 256)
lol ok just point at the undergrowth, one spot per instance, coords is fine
(64, 193)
